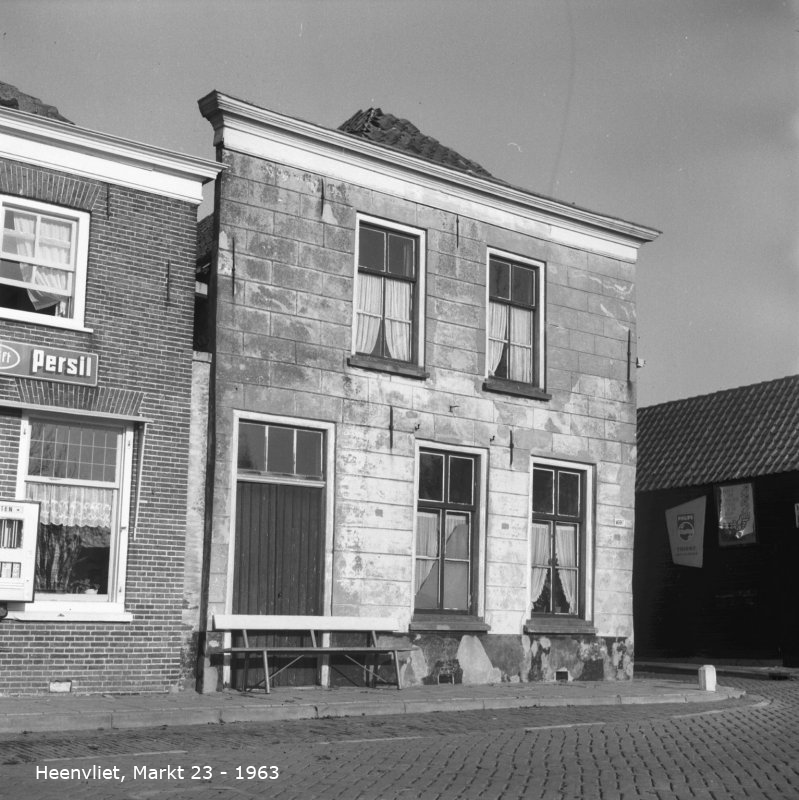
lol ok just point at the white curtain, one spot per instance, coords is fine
(521, 350)
(540, 559)
(566, 549)
(369, 312)
(398, 319)
(497, 334)
(54, 247)
(73, 506)
(426, 559)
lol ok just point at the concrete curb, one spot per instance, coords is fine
(131, 718)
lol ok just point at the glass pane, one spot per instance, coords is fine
(427, 534)
(543, 491)
(522, 285)
(401, 255)
(74, 540)
(457, 536)
(431, 476)
(461, 480)
(426, 583)
(280, 450)
(499, 279)
(19, 233)
(252, 447)
(569, 494)
(73, 451)
(566, 545)
(456, 586)
(564, 596)
(543, 605)
(309, 454)
(371, 248)
(541, 550)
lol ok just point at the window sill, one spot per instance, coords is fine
(464, 623)
(557, 624)
(502, 386)
(386, 365)
(89, 612)
(44, 320)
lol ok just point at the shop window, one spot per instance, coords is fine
(446, 532)
(560, 552)
(389, 300)
(43, 254)
(77, 472)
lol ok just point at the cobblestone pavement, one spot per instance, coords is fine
(722, 751)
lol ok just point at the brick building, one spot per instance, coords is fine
(421, 400)
(96, 315)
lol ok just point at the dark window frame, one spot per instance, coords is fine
(441, 507)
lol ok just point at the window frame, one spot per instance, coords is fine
(414, 367)
(110, 607)
(564, 622)
(478, 509)
(81, 221)
(536, 388)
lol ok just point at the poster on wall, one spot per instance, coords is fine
(736, 514)
(686, 526)
(19, 527)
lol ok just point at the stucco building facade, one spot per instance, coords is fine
(422, 400)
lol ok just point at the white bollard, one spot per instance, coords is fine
(707, 678)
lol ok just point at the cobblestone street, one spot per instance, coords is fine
(734, 749)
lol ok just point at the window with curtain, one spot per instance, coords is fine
(446, 522)
(74, 472)
(386, 294)
(41, 264)
(557, 544)
(513, 290)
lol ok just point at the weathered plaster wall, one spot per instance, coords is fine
(285, 311)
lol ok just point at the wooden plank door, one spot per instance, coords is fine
(279, 560)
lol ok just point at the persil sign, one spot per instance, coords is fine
(47, 363)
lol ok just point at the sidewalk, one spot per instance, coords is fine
(57, 713)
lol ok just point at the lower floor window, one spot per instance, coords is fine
(558, 540)
(446, 531)
(77, 472)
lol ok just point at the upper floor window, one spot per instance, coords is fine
(515, 321)
(43, 254)
(388, 294)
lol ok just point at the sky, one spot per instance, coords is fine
(680, 115)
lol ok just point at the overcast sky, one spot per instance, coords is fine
(681, 115)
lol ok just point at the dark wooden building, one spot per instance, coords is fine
(731, 457)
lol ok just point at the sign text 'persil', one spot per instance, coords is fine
(48, 363)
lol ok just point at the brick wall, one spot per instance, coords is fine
(139, 307)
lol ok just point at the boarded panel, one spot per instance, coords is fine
(279, 561)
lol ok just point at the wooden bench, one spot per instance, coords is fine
(319, 629)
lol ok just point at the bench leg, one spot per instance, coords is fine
(396, 670)
(266, 673)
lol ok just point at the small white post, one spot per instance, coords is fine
(707, 678)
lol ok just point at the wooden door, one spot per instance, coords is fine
(279, 560)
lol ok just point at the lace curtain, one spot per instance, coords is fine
(369, 312)
(497, 333)
(566, 548)
(540, 559)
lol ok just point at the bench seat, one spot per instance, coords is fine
(248, 625)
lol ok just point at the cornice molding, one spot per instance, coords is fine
(59, 145)
(242, 126)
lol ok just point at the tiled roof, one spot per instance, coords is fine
(737, 433)
(11, 97)
(399, 134)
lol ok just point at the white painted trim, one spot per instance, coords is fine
(481, 515)
(420, 311)
(247, 128)
(81, 220)
(79, 151)
(74, 608)
(589, 471)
